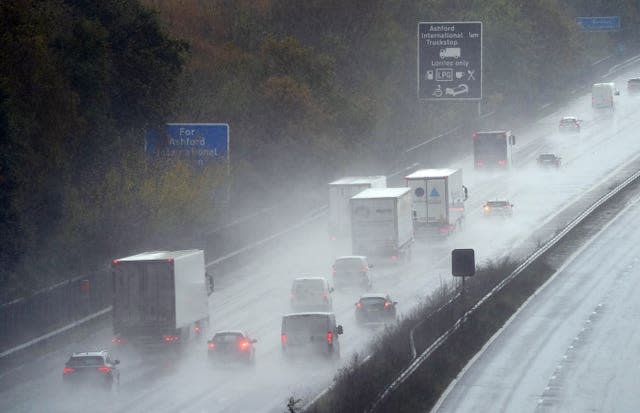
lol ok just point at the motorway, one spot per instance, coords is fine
(573, 346)
(254, 297)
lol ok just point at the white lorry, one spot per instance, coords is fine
(381, 224)
(438, 197)
(159, 298)
(602, 95)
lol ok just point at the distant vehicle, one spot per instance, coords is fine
(458, 90)
(231, 346)
(438, 198)
(569, 124)
(311, 294)
(375, 308)
(547, 160)
(91, 368)
(159, 299)
(633, 85)
(382, 224)
(602, 95)
(492, 149)
(340, 192)
(352, 270)
(311, 333)
(498, 208)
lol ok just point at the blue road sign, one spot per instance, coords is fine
(599, 24)
(201, 142)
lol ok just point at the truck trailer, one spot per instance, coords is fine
(438, 197)
(159, 298)
(381, 224)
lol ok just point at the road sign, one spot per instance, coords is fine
(599, 24)
(450, 60)
(201, 142)
(463, 262)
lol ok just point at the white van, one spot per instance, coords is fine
(306, 334)
(602, 95)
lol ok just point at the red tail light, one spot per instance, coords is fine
(283, 338)
(387, 303)
(197, 328)
(244, 345)
(474, 135)
(479, 164)
(364, 270)
(117, 340)
(358, 305)
(504, 134)
(502, 162)
(115, 262)
(170, 339)
(104, 369)
(333, 270)
(325, 296)
(330, 337)
(68, 370)
(211, 346)
(394, 258)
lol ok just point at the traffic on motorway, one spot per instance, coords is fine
(289, 318)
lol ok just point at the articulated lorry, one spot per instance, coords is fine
(340, 192)
(159, 298)
(438, 197)
(381, 224)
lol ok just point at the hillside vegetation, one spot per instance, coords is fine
(311, 89)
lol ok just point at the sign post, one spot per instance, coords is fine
(450, 60)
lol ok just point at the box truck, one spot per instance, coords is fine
(438, 197)
(159, 298)
(381, 224)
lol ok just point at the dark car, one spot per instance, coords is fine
(231, 346)
(633, 85)
(375, 308)
(546, 160)
(91, 368)
(498, 208)
(352, 271)
(569, 124)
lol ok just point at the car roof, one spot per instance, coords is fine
(235, 332)
(308, 313)
(100, 353)
(495, 201)
(310, 278)
(347, 257)
(569, 117)
(374, 295)
(547, 155)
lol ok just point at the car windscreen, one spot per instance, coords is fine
(85, 361)
(634, 81)
(304, 324)
(308, 286)
(547, 157)
(349, 264)
(497, 204)
(372, 301)
(227, 338)
(568, 121)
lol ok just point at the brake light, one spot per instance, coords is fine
(283, 338)
(358, 305)
(117, 340)
(394, 258)
(197, 328)
(479, 164)
(211, 345)
(104, 369)
(333, 270)
(504, 134)
(474, 135)
(507, 206)
(330, 337)
(170, 339)
(244, 345)
(387, 303)
(170, 260)
(502, 162)
(68, 370)
(325, 296)
(364, 269)
(115, 262)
